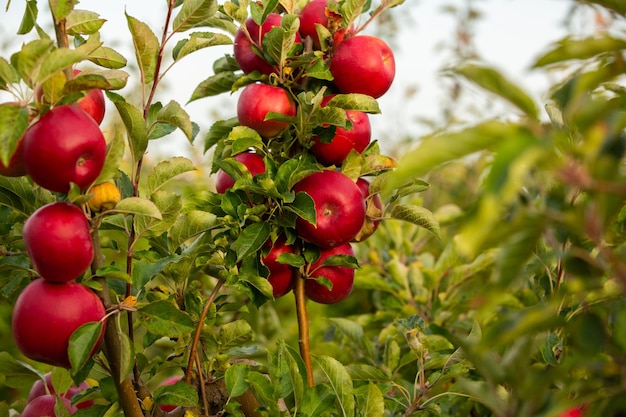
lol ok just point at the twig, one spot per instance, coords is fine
(303, 328)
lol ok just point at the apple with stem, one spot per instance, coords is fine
(252, 161)
(341, 278)
(64, 146)
(339, 208)
(363, 64)
(356, 137)
(257, 100)
(44, 406)
(47, 313)
(281, 275)
(58, 241)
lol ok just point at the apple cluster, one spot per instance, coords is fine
(61, 148)
(42, 398)
(271, 103)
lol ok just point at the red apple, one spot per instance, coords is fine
(572, 412)
(252, 161)
(47, 313)
(357, 138)
(257, 100)
(339, 208)
(16, 167)
(281, 275)
(65, 146)
(314, 13)
(374, 209)
(248, 51)
(169, 381)
(341, 277)
(43, 406)
(363, 64)
(39, 388)
(58, 241)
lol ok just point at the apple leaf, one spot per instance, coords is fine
(319, 70)
(354, 101)
(237, 10)
(83, 342)
(29, 18)
(146, 48)
(165, 319)
(493, 81)
(114, 157)
(107, 58)
(179, 394)
(135, 125)
(304, 206)
(18, 193)
(138, 205)
(417, 215)
(351, 10)
(568, 49)
(127, 354)
(8, 75)
(235, 379)
(341, 260)
(294, 170)
(251, 239)
(234, 334)
(13, 124)
(165, 171)
(193, 13)
(197, 41)
(280, 42)
(189, 225)
(16, 373)
(62, 8)
(291, 259)
(29, 57)
(341, 383)
(174, 115)
(169, 205)
(222, 82)
(83, 22)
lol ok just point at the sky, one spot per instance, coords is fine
(509, 36)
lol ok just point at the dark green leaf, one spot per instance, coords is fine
(83, 342)
(165, 319)
(29, 18)
(135, 125)
(251, 239)
(216, 84)
(13, 124)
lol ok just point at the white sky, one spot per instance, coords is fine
(510, 36)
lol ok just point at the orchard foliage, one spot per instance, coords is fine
(494, 283)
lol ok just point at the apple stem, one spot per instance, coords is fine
(196, 339)
(303, 328)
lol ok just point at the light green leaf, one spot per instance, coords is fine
(341, 383)
(17, 373)
(165, 319)
(165, 171)
(29, 57)
(8, 75)
(173, 114)
(193, 13)
(373, 402)
(13, 124)
(29, 18)
(235, 379)
(107, 58)
(138, 205)
(115, 155)
(197, 41)
(568, 49)
(360, 102)
(234, 334)
(493, 81)
(189, 225)
(178, 394)
(127, 355)
(279, 42)
(146, 48)
(62, 8)
(417, 215)
(135, 125)
(83, 22)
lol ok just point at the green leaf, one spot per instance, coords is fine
(373, 402)
(134, 123)
(234, 334)
(235, 379)
(279, 42)
(138, 205)
(304, 206)
(115, 155)
(434, 150)
(360, 102)
(164, 171)
(351, 10)
(568, 49)
(165, 319)
(17, 373)
(83, 22)
(354, 332)
(493, 81)
(127, 355)
(178, 394)
(189, 225)
(193, 13)
(29, 57)
(238, 10)
(8, 75)
(251, 239)
(62, 8)
(146, 48)
(109, 58)
(214, 85)
(173, 114)
(340, 382)
(83, 342)
(197, 41)
(417, 215)
(29, 18)
(13, 124)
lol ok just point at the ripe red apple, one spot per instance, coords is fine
(257, 100)
(47, 313)
(252, 161)
(357, 138)
(572, 412)
(169, 381)
(339, 208)
(43, 406)
(314, 13)
(363, 64)
(341, 277)
(374, 209)
(16, 167)
(58, 241)
(39, 388)
(64, 146)
(281, 275)
(248, 51)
